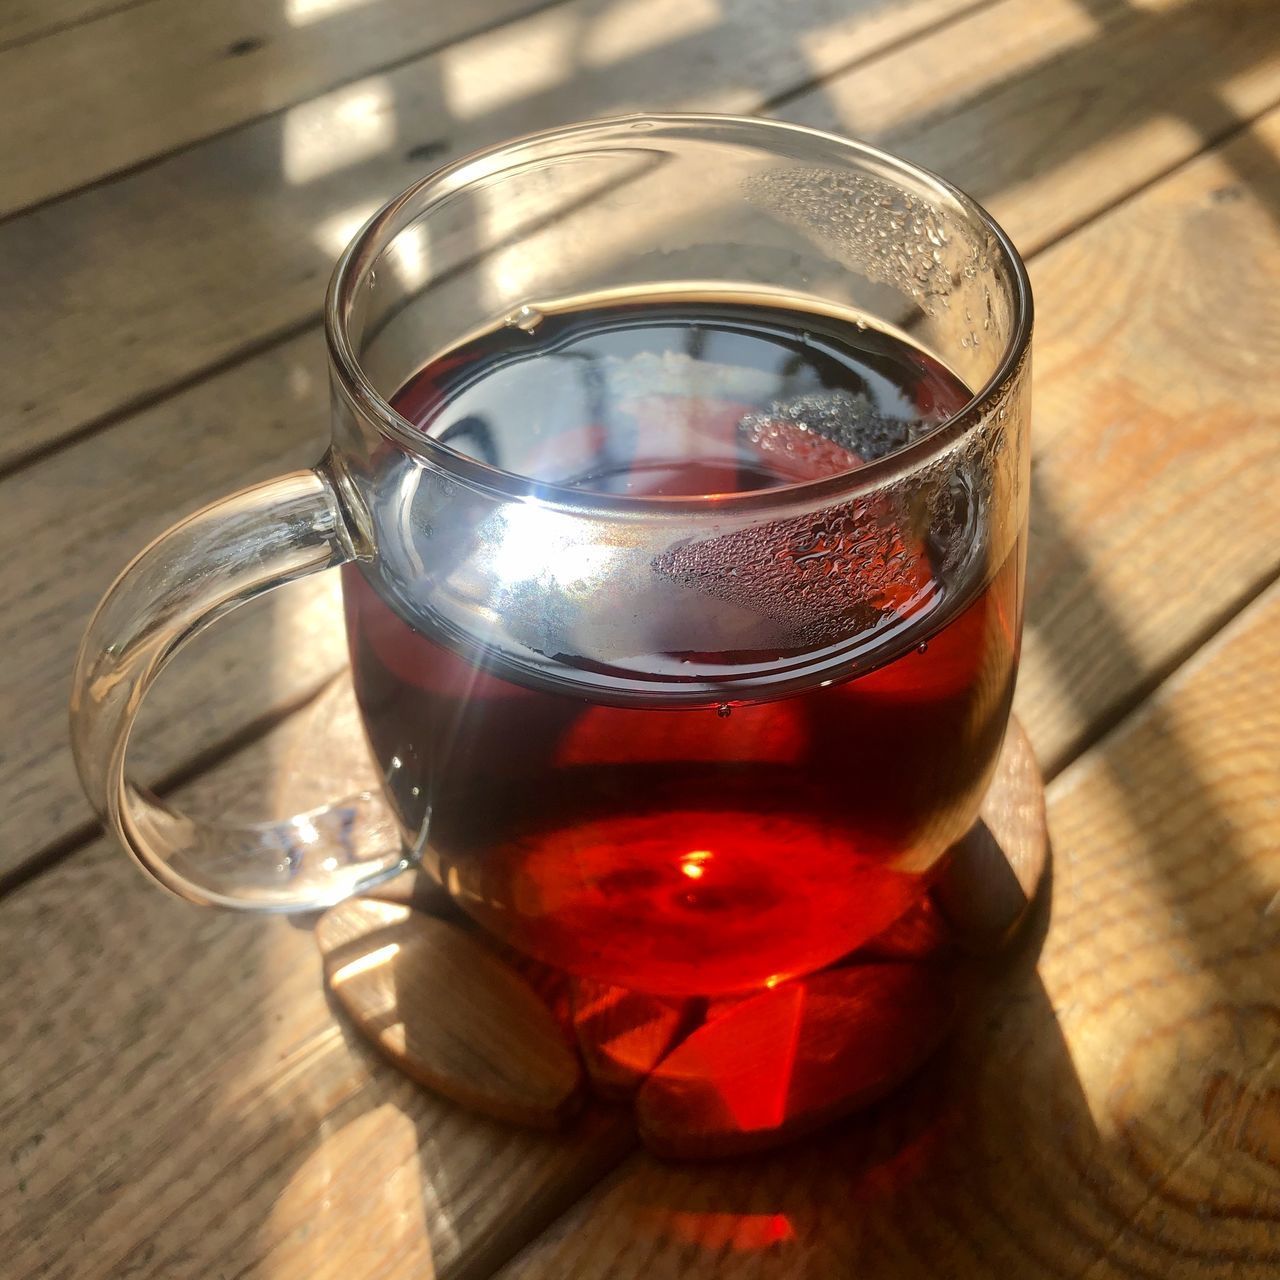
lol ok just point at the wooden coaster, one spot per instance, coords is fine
(783, 1063)
(623, 1034)
(994, 873)
(448, 1012)
(493, 1031)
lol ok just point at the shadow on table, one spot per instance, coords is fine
(997, 1158)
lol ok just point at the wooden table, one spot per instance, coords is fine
(178, 1099)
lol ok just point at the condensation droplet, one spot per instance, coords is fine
(526, 319)
(724, 711)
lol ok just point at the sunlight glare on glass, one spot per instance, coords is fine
(306, 830)
(337, 130)
(593, 237)
(537, 544)
(409, 257)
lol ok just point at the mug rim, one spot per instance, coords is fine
(372, 238)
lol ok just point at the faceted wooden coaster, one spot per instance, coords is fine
(515, 1039)
(993, 875)
(785, 1062)
(449, 1012)
(622, 1035)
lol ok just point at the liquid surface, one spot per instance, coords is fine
(680, 398)
(715, 849)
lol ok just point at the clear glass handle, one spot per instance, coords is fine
(198, 571)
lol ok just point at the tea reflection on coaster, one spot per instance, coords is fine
(710, 1077)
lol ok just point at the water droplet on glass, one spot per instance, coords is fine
(724, 711)
(922, 647)
(526, 318)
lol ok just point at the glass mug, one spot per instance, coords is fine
(683, 581)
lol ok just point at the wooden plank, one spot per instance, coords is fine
(1048, 116)
(1035, 138)
(235, 252)
(1114, 1114)
(739, 1220)
(179, 1099)
(137, 284)
(1108, 301)
(22, 21)
(1157, 446)
(102, 501)
(147, 79)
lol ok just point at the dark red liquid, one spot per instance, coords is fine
(691, 850)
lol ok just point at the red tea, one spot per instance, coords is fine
(705, 849)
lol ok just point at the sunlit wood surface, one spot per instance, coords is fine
(179, 1100)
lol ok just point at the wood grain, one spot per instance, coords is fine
(1157, 446)
(1113, 1115)
(81, 515)
(179, 1099)
(1195, 254)
(136, 285)
(22, 21)
(1051, 112)
(192, 71)
(237, 252)
(447, 1012)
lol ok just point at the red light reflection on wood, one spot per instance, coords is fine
(791, 1059)
(622, 1034)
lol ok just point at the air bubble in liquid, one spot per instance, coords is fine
(724, 711)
